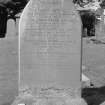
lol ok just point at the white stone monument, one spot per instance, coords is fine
(50, 53)
(11, 28)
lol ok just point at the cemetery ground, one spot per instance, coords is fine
(94, 60)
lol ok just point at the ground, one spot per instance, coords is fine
(94, 64)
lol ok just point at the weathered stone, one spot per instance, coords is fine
(50, 52)
(11, 29)
(50, 44)
(49, 97)
(8, 69)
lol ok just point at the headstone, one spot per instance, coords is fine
(8, 70)
(50, 47)
(100, 28)
(11, 29)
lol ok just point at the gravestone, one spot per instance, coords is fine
(11, 29)
(50, 49)
(100, 28)
(8, 70)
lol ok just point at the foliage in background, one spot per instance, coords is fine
(13, 6)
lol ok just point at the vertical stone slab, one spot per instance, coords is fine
(100, 28)
(8, 69)
(11, 29)
(50, 45)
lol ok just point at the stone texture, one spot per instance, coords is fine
(50, 44)
(100, 28)
(8, 68)
(11, 28)
(49, 97)
(50, 54)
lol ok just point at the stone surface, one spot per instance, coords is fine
(50, 45)
(11, 28)
(8, 68)
(100, 28)
(48, 97)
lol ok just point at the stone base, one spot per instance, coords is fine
(49, 96)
